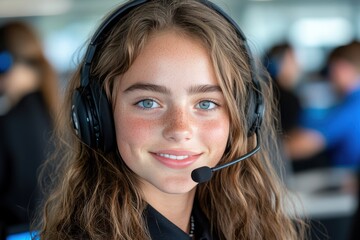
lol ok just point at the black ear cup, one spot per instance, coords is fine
(92, 117)
(255, 111)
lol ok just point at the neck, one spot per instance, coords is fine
(175, 207)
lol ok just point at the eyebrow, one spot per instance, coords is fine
(204, 89)
(148, 87)
(162, 89)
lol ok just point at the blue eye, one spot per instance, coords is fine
(147, 103)
(206, 105)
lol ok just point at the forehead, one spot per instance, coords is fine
(174, 38)
(168, 56)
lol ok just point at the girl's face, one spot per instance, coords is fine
(170, 113)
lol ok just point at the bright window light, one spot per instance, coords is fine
(321, 32)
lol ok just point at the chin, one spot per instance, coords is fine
(177, 186)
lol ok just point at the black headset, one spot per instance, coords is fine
(91, 111)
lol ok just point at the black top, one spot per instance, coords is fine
(24, 141)
(162, 229)
(289, 108)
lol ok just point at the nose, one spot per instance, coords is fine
(178, 125)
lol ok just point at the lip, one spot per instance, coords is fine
(179, 163)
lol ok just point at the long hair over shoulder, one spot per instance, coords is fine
(96, 196)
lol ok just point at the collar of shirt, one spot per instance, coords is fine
(161, 228)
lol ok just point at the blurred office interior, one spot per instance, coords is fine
(312, 27)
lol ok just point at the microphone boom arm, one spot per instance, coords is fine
(204, 174)
(243, 157)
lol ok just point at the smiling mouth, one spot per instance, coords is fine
(179, 160)
(174, 157)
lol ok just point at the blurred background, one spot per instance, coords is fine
(313, 26)
(309, 29)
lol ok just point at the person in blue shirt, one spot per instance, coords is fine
(339, 131)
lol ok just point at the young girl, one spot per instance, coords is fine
(167, 87)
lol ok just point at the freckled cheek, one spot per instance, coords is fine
(215, 134)
(134, 129)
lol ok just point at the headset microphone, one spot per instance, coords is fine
(204, 174)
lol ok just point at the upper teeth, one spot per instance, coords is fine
(173, 156)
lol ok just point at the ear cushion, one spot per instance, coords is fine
(255, 109)
(92, 117)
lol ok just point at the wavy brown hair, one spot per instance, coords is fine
(95, 196)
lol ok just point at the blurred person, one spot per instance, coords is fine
(284, 69)
(339, 131)
(30, 92)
